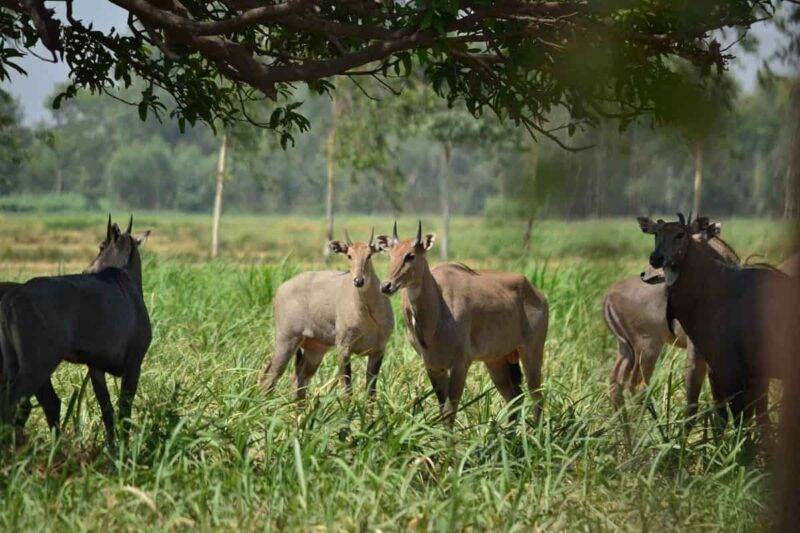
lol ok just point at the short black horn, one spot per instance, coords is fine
(681, 219)
(130, 225)
(419, 232)
(371, 235)
(394, 232)
(108, 229)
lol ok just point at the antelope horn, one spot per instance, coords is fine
(371, 235)
(347, 238)
(130, 225)
(394, 232)
(681, 219)
(419, 232)
(689, 221)
(108, 229)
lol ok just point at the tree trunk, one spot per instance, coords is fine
(59, 180)
(330, 147)
(444, 192)
(221, 163)
(526, 238)
(698, 177)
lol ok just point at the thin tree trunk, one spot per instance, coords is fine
(530, 202)
(221, 163)
(698, 177)
(444, 192)
(59, 180)
(330, 147)
(526, 238)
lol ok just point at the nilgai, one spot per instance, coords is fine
(315, 311)
(98, 319)
(735, 316)
(456, 316)
(24, 409)
(636, 313)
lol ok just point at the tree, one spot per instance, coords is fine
(13, 142)
(516, 58)
(221, 165)
(699, 109)
(375, 131)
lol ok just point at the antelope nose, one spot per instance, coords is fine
(656, 260)
(386, 288)
(359, 281)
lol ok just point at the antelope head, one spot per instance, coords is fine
(672, 243)
(406, 258)
(359, 256)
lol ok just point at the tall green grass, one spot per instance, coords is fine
(209, 451)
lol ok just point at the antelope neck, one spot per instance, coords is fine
(701, 276)
(424, 300)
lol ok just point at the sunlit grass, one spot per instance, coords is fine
(210, 451)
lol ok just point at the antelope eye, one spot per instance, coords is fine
(349, 256)
(409, 257)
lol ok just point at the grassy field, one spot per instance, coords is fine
(209, 451)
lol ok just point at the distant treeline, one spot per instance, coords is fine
(98, 151)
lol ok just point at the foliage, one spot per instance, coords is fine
(13, 139)
(392, 158)
(43, 203)
(519, 60)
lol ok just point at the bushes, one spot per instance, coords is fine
(498, 210)
(44, 203)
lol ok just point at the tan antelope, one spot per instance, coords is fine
(740, 318)
(636, 313)
(315, 311)
(456, 316)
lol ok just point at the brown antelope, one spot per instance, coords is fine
(735, 316)
(635, 312)
(456, 316)
(315, 311)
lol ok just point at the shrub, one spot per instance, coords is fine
(44, 203)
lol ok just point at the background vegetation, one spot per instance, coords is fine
(387, 158)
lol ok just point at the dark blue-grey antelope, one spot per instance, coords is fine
(97, 319)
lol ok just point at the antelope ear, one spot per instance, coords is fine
(427, 242)
(714, 229)
(337, 247)
(142, 238)
(647, 225)
(699, 224)
(382, 243)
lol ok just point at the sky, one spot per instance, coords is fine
(34, 89)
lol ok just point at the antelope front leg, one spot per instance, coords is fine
(696, 371)
(100, 387)
(347, 370)
(458, 377)
(440, 382)
(373, 367)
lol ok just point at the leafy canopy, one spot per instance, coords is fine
(519, 59)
